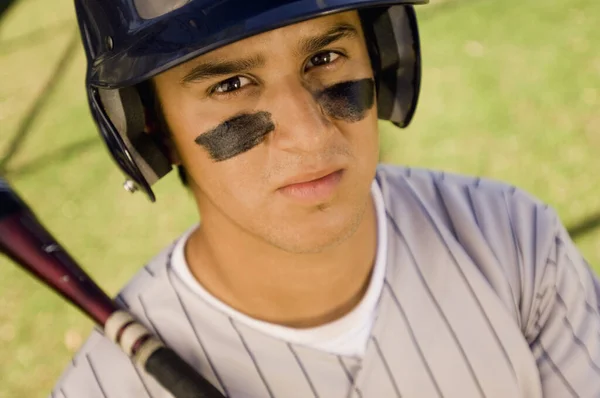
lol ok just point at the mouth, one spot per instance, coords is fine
(316, 186)
(310, 177)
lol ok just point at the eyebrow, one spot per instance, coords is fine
(335, 33)
(210, 69)
(313, 44)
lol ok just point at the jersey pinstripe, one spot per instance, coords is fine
(485, 295)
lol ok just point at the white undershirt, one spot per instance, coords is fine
(346, 336)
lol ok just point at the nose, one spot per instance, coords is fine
(300, 123)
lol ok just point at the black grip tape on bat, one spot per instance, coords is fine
(178, 376)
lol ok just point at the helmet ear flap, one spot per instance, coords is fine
(125, 110)
(393, 41)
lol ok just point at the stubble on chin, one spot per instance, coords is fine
(294, 245)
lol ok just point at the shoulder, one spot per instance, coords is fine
(469, 206)
(151, 278)
(100, 368)
(430, 183)
(449, 194)
(505, 232)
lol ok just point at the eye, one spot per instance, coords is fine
(323, 58)
(229, 85)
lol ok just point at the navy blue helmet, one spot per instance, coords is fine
(129, 41)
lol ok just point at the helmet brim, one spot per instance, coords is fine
(192, 31)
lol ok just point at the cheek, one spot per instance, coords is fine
(210, 157)
(236, 185)
(363, 139)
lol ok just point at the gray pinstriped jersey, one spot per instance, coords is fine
(485, 296)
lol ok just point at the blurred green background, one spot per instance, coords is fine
(511, 91)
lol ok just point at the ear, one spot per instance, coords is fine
(172, 152)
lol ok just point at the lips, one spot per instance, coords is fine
(309, 177)
(316, 186)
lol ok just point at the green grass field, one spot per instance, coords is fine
(511, 91)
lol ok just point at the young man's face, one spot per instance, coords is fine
(258, 122)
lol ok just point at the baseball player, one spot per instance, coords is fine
(315, 271)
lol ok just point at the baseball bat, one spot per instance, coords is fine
(24, 239)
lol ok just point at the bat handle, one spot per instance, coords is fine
(28, 243)
(178, 376)
(149, 353)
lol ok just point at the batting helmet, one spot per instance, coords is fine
(129, 41)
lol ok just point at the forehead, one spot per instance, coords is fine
(289, 35)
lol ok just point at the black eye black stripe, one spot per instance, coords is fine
(348, 101)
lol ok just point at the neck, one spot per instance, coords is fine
(269, 284)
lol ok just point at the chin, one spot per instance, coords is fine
(319, 234)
